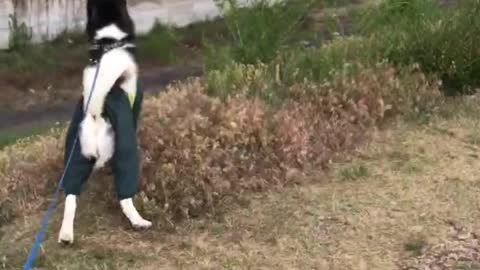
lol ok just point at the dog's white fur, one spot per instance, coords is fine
(66, 232)
(96, 132)
(110, 31)
(132, 214)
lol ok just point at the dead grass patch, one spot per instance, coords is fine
(198, 149)
(330, 224)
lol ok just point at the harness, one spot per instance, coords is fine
(101, 46)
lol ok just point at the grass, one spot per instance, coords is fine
(158, 45)
(416, 247)
(12, 136)
(377, 223)
(421, 32)
(30, 58)
(256, 33)
(354, 173)
(71, 49)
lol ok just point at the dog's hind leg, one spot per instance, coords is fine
(66, 231)
(125, 162)
(133, 216)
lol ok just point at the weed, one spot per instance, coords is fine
(416, 246)
(257, 32)
(63, 54)
(159, 44)
(270, 81)
(354, 172)
(341, 57)
(20, 34)
(8, 138)
(441, 41)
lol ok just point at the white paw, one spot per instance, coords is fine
(133, 216)
(66, 236)
(66, 231)
(141, 224)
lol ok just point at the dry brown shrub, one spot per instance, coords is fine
(197, 149)
(28, 174)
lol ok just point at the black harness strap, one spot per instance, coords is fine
(104, 45)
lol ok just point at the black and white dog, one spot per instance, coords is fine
(108, 26)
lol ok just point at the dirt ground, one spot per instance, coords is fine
(407, 198)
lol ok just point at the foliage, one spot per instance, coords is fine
(20, 34)
(442, 41)
(159, 44)
(256, 33)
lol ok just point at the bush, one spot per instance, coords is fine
(20, 34)
(270, 82)
(28, 174)
(198, 149)
(255, 33)
(159, 44)
(441, 41)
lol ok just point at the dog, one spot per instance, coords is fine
(111, 32)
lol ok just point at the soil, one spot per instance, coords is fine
(152, 80)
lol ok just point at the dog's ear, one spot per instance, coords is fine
(92, 19)
(127, 23)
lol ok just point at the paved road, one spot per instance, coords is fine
(152, 82)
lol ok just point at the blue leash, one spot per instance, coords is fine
(38, 239)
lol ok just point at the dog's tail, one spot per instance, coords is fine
(97, 139)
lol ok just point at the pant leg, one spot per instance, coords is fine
(125, 161)
(137, 106)
(80, 167)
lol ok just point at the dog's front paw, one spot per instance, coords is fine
(65, 236)
(141, 224)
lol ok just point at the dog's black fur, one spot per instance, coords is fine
(101, 13)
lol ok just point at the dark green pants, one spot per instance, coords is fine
(125, 161)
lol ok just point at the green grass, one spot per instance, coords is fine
(11, 136)
(271, 81)
(442, 41)
(256, 33)
(353, 173)
(416, 247)
(159, 44)
(69, 51)
(66, 51)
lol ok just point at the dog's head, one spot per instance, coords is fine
(101, 13)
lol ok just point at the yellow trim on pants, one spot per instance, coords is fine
(131, 98)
